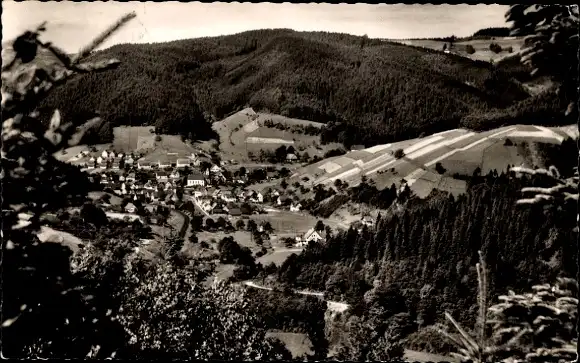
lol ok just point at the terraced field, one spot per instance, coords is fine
(459, 151)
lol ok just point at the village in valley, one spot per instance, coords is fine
(190, 193)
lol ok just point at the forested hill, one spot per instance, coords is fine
(377, 91)
(426, 253)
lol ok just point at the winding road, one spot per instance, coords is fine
(334, 306)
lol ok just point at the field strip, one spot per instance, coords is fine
(267, 140)
(377, 148)
(421, 144)
(346, 174)
(376, 161)
(467, 147)
(381, 167)
(446, 132)
(436, 146)
(543, 132)
(330, 167)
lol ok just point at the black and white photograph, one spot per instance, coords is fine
(289, 182)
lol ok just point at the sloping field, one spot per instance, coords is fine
(132, 138)
(268, 140)
(245, 132)
(458, 151)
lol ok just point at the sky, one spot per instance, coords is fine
(70, 25)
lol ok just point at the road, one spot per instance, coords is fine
(196, 203)
(334, 306)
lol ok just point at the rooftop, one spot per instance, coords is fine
(195, 176)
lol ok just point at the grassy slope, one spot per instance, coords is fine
(489, 153)
(235, 131)
(380, 88)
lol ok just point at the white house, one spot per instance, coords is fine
(182, 163)
(291, 157)
(104, 154)
(130, 207)
(121, 178)
(215, 169)
(295, 207)
(197, 194)
(129, 161)
(227, 196)
(164, 163)
(195, 179)
(313, 235)
(99, 160)
(144, 165)
(174, 174)
(256, 197)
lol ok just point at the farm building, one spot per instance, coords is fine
(195, 179)
(291, 157)
(182, 163)
(144, 165)
(315, 236)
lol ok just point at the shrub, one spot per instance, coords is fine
(399, 153)
(534, 327)
(494, 47)
(469, 49)
(158, 138)
(508, 142)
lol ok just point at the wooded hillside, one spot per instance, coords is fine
(372, 91)
(427, 251)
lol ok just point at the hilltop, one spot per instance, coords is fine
(368, 91)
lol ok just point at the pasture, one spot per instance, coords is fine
(458, 151)
(245, 132)
(481, 46)
(130, 138)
